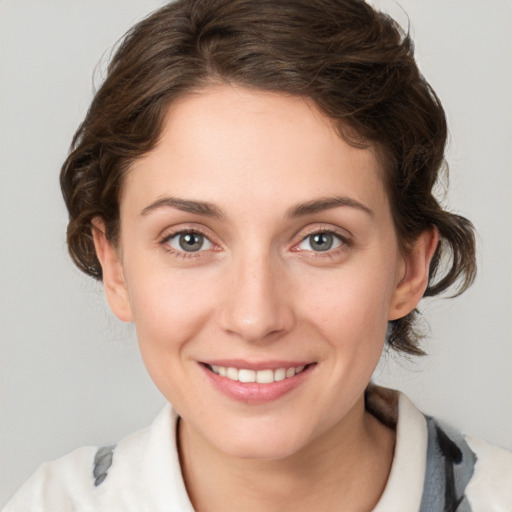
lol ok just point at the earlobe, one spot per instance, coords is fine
(113, 274)
(411, 287)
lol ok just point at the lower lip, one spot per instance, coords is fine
(253, 392)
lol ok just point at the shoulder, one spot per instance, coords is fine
(436, 467)
(491, 485)
(465, 472)
(141, 473)
(64, 484)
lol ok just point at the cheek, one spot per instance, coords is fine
(170, 311)
(350, 312)
(350, 300)
(169, 308)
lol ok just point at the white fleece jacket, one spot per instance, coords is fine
(434, 469)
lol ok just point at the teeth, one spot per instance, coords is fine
(280, 374)
(231, 373)
(265, 376)
(259, 376)
(246, 375)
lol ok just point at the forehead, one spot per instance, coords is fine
(238, 143)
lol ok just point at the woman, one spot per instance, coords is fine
(253, 184)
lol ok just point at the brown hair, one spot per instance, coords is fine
(354, 62)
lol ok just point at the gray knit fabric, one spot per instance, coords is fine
(450, 466)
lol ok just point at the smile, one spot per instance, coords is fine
(267, 376)
(254, 383)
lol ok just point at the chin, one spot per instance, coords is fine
(262, 450)
(261, 443)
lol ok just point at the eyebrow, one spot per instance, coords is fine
(185, 205)
(326, 203)
(210, 210)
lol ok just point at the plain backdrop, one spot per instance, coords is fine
(70, 373)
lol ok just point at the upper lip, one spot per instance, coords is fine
(257, 365)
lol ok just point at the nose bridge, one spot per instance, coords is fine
(256, 304)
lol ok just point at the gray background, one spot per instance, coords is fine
(70, 373)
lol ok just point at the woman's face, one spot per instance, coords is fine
(257, 244)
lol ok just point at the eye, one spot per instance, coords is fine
(189, 241)
(320, 242)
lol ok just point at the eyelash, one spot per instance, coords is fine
(345, 243)
(167, 237)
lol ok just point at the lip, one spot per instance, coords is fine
(253, 392)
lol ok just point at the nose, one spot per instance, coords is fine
(257, 303)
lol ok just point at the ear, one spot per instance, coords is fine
(113, 273)
(414, 280)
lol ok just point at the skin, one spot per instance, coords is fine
(258, 290)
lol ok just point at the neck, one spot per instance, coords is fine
(346, 468)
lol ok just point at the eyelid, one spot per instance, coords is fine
(169, 233)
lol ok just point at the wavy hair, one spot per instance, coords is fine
(354, 62)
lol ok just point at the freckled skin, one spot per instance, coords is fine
(257, 289)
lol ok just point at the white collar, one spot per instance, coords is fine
(404, 489)
(156, 480)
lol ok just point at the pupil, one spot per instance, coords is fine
(191, 242)
(321, 242)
